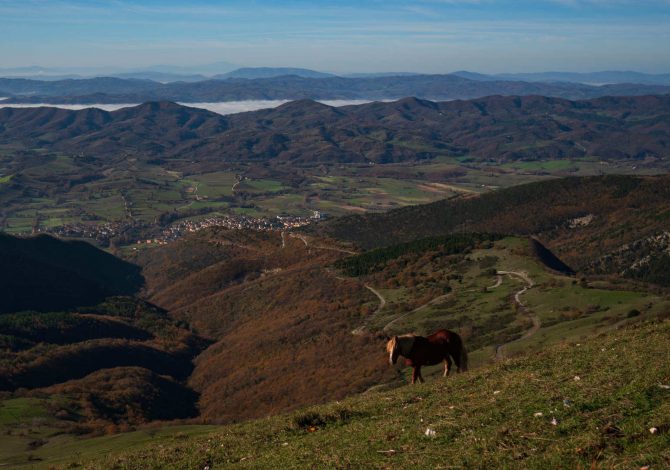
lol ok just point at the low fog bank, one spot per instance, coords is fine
(227, 107)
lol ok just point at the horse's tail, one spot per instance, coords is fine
(463, 359)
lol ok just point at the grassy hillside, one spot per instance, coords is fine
(499, 295)
(583, 404)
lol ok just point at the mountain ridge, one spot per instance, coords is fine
(304, 131)
(271, 72)
(292, 87)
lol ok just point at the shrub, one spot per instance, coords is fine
(633, 313)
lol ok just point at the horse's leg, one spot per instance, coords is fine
(447, 366)
(420, 376)
(415, 374)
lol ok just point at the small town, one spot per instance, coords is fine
(146, 234)
(236, 222)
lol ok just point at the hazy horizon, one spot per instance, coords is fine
(91, 72)
(424, 36)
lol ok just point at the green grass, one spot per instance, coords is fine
(373, 193)
(604, 394)
(6, 179)
(61, 448)
(16, 410)
(551, 165)
(22, 421)
(262, 186)
(214, 185)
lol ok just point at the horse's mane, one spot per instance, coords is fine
(390, 345)
(403, 342)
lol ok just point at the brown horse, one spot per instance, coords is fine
(419, 351)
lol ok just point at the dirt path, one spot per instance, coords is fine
(195, 193)
(500, 349)
(283, 239)
(339, 250)
(321, 247)
(301, 237)
(382, 300)
(418, 309)
(382, 303)
(127, 204)
(497, 284)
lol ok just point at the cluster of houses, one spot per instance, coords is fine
(104, 232)
(101, 233)
(236, 222)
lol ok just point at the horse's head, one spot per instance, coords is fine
(393, 350)
(400, 346)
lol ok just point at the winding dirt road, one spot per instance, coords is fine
(497, 284)
(500, 349)
(382, 303)
(301, 237)
(195, 194)
(418, 309)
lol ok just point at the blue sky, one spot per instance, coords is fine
(431, 36)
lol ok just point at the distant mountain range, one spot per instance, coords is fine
(223, 70)
(591, 78)
(175, 72)
(271, 72)
(295, 87)
(306, 132)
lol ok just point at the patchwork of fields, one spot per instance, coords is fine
(62, 190)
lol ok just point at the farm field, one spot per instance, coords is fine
(65, 190)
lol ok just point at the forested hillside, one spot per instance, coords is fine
(583, 220)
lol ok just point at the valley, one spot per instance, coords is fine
(255, 264)
(275, 319)
(118, 178)
(334, 235)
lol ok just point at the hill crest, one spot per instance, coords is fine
(511, 128)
